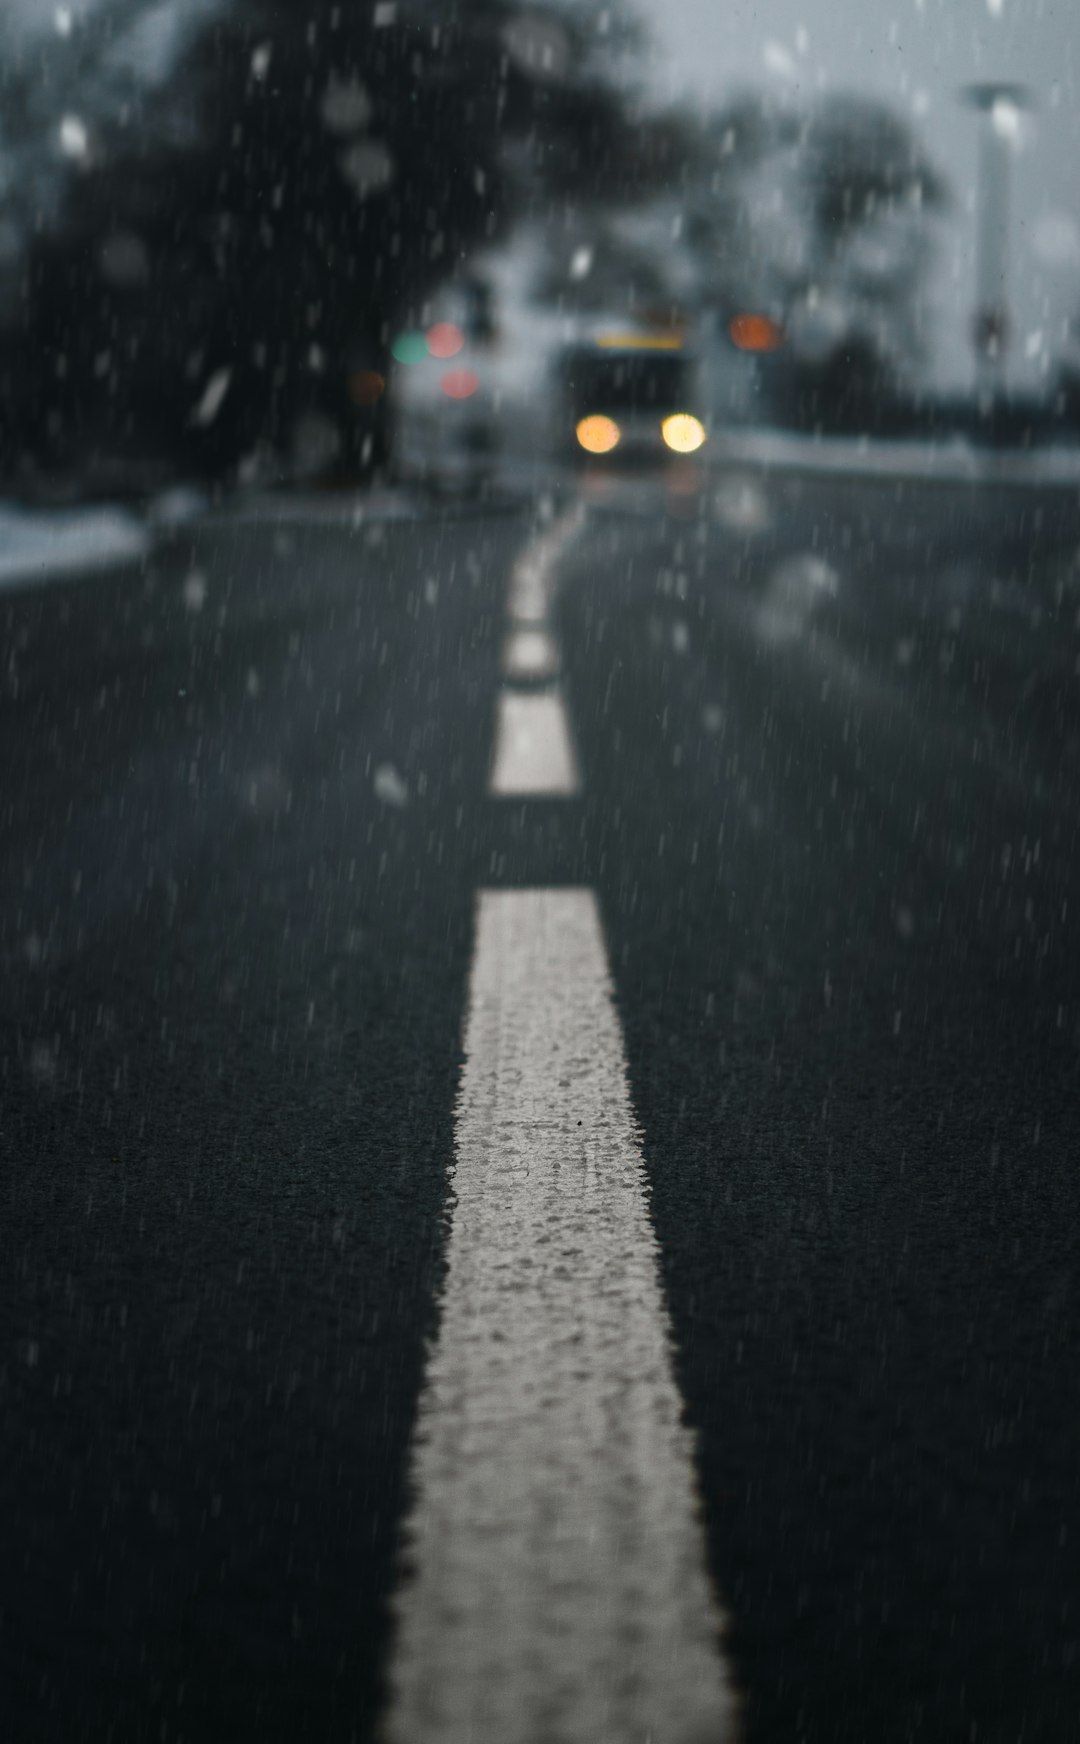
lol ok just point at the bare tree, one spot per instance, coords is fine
(823, 218)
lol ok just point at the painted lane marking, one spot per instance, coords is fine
(559, 1588)
(534, 753)
(532, 581)
(530, 655)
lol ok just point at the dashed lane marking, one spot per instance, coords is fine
(534, 750)
(532, 581)
(534, 753)
(530, 655)
(558, 1587)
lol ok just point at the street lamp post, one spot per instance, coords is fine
(1000, 106)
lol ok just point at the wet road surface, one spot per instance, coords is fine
(819, 773)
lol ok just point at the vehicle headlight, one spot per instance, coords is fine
(597, 434)
(682, 432)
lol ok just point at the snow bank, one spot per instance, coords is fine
(947, 462)
(43, 546)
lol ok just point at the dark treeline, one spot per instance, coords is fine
(233, 250)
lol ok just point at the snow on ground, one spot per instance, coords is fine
(38, 546)
(947, 462)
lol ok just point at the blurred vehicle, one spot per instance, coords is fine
(449, 407)
(630, 393)
(502, 378)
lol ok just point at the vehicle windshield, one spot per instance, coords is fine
(614, 379)
(539, 882)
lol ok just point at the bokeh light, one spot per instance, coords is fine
(755, 333)
(683, 433)
(597, 434)
(409, 347)
(366, 386)
(460, 384)
(444, 339)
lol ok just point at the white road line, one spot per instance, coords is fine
(530, 654)
(559, 1593)
(534, 753)
(532, 583)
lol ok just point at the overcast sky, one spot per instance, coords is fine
(918, 53)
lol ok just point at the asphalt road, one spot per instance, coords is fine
(828, 739)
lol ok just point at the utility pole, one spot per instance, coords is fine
(1000, 107)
